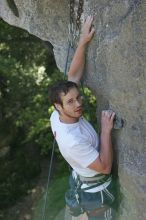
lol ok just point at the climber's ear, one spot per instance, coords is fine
(58, 107)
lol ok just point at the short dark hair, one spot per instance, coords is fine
(61, 87)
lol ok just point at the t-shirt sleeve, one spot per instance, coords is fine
(83, 153)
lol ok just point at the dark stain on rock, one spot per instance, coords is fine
(13, 7)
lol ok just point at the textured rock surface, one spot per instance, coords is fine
(114, 71)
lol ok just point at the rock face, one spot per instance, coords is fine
(114, 71)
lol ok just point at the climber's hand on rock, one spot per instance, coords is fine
(107, 118)
(87, 31)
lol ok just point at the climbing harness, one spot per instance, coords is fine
(80, 198)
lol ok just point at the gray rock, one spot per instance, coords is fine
(115, 71)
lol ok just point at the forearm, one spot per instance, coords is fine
(78, 62)
(77, 65)
(103, 163)
(106, 151)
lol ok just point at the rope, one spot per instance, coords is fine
(66, 63)
(50, 168)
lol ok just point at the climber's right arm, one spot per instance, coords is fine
(77, 65)
(103, 163)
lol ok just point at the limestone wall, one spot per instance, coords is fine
(115, 71)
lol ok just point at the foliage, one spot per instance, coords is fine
(55, 196)
(24, 85)
(23, 109)
(16, 176)
(55, 199)
(90, 107)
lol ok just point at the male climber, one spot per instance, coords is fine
(89, 155)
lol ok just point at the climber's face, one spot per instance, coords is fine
(71, 108)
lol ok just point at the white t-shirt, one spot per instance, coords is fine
(78, 143)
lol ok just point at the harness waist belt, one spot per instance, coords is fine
(94, 179)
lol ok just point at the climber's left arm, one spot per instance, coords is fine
(77, 65)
